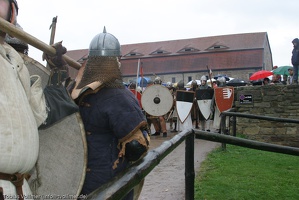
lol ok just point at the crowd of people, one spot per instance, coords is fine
(197, 120)
(278, 79)
(291, 77)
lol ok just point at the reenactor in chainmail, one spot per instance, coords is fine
(203, 85)
(17, 44)
(221, 82)
(159, 122)
(116, 129)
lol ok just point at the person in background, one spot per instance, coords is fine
(176, 86)
(169, 85)
(295, 59)
(215, 85)
(276, 79)
(195, 110)
(290, 78)
(148, 117)
(266, 81)
(278, 76)
(221, 82)
(188, 122)
(203, 85)
(132, 86)
(159, 122)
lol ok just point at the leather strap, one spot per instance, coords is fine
(17, 179)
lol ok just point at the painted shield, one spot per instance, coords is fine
(156, 100)
(61, 166)
(184, 103)
(204, 100)
(137, 95)
(224, 97)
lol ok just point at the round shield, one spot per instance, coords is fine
(36, 68)
(61, 165)
(156, 100)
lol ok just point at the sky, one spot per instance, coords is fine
(140, 21)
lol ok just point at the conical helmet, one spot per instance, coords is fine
(203, 78)
(158, 80)
(193, 83)
(222, 81)
(102, 63)
(104, 44)
(181, 84)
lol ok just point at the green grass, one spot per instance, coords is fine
(242, 173)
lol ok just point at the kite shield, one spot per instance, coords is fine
(204, 100)
(184, 103)
(224, 97)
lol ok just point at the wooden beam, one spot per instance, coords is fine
(12, 30)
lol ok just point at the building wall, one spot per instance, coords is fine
(273, 101)
(237, 64)
(268, 62)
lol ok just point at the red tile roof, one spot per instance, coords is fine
(233, 42)
(236, 51)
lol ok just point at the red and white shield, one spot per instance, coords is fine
(224, 97)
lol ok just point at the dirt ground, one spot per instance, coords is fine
(167, 180)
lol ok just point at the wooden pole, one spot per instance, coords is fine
(12, 30)
(189, 167)
(53, 30)
(210, 76)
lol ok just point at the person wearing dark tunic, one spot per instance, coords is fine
(295, 60)
(115, 126)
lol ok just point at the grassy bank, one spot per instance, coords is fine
(242, 173)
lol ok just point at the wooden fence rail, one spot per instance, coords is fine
(127, 180)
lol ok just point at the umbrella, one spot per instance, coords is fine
(260, 75)
(143, 81)
(282, 70)
(236, 82)
(222, 75)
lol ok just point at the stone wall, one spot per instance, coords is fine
(274, 101)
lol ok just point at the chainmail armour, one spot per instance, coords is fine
(105, 69)
(16, 43)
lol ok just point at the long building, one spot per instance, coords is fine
(235, 55)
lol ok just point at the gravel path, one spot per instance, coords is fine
(167, 180)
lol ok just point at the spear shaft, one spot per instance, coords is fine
(210, 76)
(12, 30)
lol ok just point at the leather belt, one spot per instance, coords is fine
(17, 179)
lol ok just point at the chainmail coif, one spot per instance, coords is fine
(104, 69)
